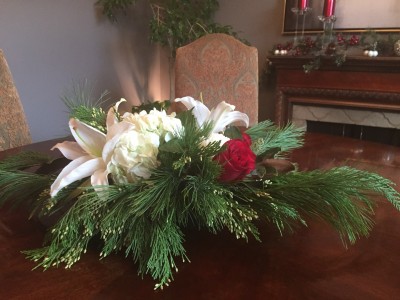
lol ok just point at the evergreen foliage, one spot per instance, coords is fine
(146, 219)
(174, 23)
(82, 105)
(269, 140)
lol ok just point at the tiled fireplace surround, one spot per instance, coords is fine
(303, 113)
(363, 91)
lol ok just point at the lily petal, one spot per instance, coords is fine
(90, 139)
(220, 110)
(111, 114)
(100, 177)
(55, 187)
(85, 169)
(189, 102)
(70, 150)
(200, 111)
(224, 114)
(221, 116)
(119, 128)
(229, 118)
(98, 180)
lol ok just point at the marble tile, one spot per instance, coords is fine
(302, 113)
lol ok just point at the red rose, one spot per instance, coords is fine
(237, 160)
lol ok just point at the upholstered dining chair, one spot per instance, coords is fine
(14, 129)
(218, 67)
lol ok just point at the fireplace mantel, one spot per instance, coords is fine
(360, 83)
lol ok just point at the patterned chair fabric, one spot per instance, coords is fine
(14, 129)
(217, 67)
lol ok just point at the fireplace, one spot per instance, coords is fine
(359, 99)
(377, 126)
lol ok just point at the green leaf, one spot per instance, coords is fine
(233, 132)
(173, 146)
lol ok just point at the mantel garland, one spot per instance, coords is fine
(371, 43)
(137, 180)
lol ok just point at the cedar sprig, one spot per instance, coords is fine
(253, 193)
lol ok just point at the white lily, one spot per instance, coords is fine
(220, 116)
(86, 156)
(90, 153)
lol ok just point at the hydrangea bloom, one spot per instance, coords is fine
(135, 153)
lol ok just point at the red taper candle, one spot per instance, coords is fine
(302, 4)
(329, 8)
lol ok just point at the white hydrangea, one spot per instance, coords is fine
(135, 151)
(134, 156)
(156, 121)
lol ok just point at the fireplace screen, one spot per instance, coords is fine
(389, 136)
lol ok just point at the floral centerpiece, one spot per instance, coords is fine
(135, 181)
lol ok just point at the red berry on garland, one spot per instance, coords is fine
(330, 50)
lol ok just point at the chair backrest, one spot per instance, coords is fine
(218, 67)
(14, 129)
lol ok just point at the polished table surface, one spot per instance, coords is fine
(309, 264)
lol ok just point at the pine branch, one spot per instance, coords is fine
(340, 196)
(186, 154)
(258, 130)
(21, 187)
(82, 105)
(269, 138)
(24, 160)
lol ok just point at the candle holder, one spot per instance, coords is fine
(328, 24)
(300, 16)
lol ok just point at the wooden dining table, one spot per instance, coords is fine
(310, 263)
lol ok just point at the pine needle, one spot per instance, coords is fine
(24, 160)
(83, 106)
(21, 187)
(267, 137)
(340, 196)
